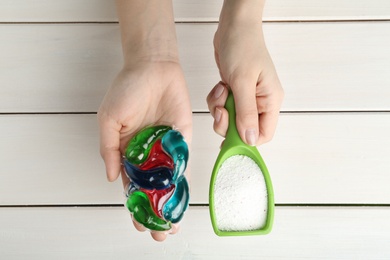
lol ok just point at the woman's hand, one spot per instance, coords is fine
(149, 90)
(149, 93)
(246, 68)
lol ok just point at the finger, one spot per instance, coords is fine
(221, 121)
(138, 226)
(217, 97)
(161, 235)
(158, 236)
(267, 126)
(268, 120)
(109, 148)
(175, 228)
(244, 92)
(269, 107)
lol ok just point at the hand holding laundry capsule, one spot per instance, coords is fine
(150, 89)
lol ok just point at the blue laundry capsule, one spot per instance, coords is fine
(173, 143)
(176, 205)
(158, 178)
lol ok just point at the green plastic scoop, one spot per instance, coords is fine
(233, 145)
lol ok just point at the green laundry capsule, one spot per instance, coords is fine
(139, 147)
(139, 205)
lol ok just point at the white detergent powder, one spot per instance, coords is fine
(240, 195)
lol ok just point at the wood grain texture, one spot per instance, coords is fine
(322, 66)
(107, 233)
(192, 10)
(66, 61)
(314, 158)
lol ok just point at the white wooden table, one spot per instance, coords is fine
(329, 160)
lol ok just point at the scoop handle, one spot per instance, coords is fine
(232, 136)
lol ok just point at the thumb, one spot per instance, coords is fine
(247, 117)
(109, 149)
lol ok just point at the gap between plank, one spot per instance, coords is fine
(212, 21)
(206, 112)
(198, 205)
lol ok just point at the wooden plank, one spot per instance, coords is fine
(53, 159)
(192, 10)
(57, 72)
(102, 233)
(333, 10)
(323, 66)
(322, 154)
(314, 158)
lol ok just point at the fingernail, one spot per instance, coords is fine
(218, 115)
(250, 136)
(218, 91)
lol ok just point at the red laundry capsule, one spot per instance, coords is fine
(157, 158)
(158, 198)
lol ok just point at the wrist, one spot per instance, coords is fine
(152, 40)
(245, 13)
(148, 30)
(150, 50)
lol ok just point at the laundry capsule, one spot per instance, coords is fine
(155, 160)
